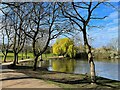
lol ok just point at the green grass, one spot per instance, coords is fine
(45, 56)
(10, 56)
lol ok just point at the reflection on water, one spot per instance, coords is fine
(81, 66)
(104, 68)
(63, 65)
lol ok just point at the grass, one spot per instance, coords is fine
(10, 56)
(68, 81)
(45, 56)
(20, 54)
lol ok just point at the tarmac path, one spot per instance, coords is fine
(12, 79)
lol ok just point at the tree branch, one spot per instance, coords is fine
(82, 19)
(98, 17)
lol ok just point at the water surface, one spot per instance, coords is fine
(104, 68)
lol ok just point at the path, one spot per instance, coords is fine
(13, 79)
(8, 63)
(56, 57)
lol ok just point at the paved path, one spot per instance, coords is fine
(12, 79)
(8, 63)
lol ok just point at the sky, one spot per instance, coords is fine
(102, 37)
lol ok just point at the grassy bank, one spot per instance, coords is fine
(68, 80)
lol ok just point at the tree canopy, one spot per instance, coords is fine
(65, 47)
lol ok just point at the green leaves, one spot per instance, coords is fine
(65, 47)
(71, 51)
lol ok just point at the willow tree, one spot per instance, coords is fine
(64, 46)
(81, 14)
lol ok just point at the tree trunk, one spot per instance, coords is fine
(22, 55)
(92, 65)
(26, 53)
(92, 70)
(41, 58)
(5, 57)
(90, 57)
(35, 63)
(17, 58)
(14, 62)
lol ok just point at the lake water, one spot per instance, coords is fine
(108, 68)
(105, 68)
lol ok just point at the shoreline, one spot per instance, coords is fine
(65, 80)
(26, 60)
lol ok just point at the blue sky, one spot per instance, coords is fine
(102, 37)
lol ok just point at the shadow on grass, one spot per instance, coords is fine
(18, 67)
(44, 74)
(70, 81)
(104, 84)
(11, 66)
(35, 74)
(107, 82)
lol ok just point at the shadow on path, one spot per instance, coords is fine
(15, 78)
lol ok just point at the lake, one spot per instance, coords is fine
(104, 68)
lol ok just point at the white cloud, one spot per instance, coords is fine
(103, 37)
(113, 15)
(114, 28)
(112, 21)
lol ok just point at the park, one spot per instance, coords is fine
(60, 45)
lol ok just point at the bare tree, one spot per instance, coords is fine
(43, 26)
(6, 45)
(17, 24)
(113, 44)
(6, 36)
(35, 20)
(81, 14)
(27, 44)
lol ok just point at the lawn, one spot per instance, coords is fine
(10, 56)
